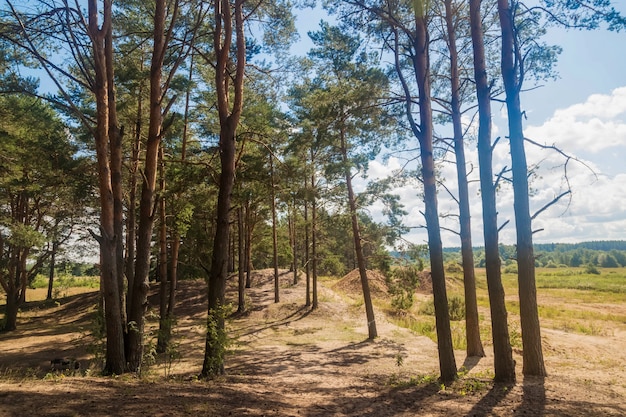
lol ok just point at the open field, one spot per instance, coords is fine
(286, 360)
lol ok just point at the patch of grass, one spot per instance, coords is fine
(419, 380)
(611, 280)
(590, 328)
(424, 326)
(66, 281)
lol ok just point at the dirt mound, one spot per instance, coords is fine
(351, 283)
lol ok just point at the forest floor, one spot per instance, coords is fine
(286, 360)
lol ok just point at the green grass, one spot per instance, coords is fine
(66, 281)
(569, 299)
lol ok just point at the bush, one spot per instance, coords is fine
(402, 283)
(591, 269)
(511, 269)
(456, 305)
(456, 308)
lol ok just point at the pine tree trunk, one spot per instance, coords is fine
(165, 322)
(367, 296)
(10, 314)
(504, 366)
(313, 237)
(529, 315)
(472, 325)
(307, 257)
(241, 258)
(248, 244)
(115, 362)
(274, 233)
(139, 301)
(214, 356)
(447, 362)
(55, 246)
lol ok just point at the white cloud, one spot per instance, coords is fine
(593, 126)
(594, 132)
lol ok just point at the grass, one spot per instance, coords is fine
(570, 299)
(66, 281)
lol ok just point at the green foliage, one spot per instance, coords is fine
(456, 307)
(217, 339)
(403, 282)
(66, 281)
(591, 269)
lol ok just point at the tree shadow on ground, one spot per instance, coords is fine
(492, 399)
(470, 362)
(533, 397)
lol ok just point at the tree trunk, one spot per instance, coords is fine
(173, 273)
(358, 249)
(139, 301)
(165, 323)
(248, 244)
(214, 355)
(307, 257)
(131, 220)
(10, 314)
(229, 119)
(114, 357)
(294, 239)
(529, 316)
(313, 235)
(241, 258)
(447, 363)
(472, 325)
(55, 246)
(504, 366)
(274, 233)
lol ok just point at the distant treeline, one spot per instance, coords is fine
(603, 253)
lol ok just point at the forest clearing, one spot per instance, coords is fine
(286, 360)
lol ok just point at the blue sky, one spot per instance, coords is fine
(584, 113)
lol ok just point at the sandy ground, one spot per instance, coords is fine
(286, 360)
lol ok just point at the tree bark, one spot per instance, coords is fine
(114, 358)
(313, 235)
(55, 246)
(307, 256)
(229, 118)
(274, 232)
(248, 244)
(472, 325)
(165, 322)
(131, 220)
(529, 316)
(447, 362)
(139, 301)
(241, 259)
(358, 248)
(504, 366)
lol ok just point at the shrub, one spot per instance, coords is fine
(402, 283)
(511, 269)
(456, 308)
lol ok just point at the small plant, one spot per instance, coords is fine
(403, 283)
(456, 308)
(399, 359)
(592, 269)
(217, 338)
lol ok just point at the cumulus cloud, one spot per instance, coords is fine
(593, 126)
(594, 132)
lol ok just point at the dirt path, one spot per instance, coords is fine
(289, 361)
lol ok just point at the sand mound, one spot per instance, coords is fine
(350, 284)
